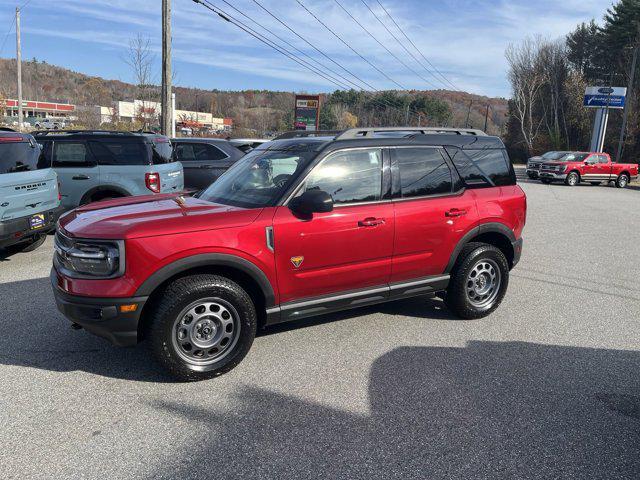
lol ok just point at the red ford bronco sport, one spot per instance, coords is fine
(300, 226)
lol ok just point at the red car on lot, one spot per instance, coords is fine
(594, 168)
(300, 226)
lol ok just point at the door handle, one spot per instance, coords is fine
(455, 212)
(81, 177)
(371, 222)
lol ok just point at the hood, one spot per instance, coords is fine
(152, 215)
(537, 158)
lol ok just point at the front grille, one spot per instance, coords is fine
(534, 165)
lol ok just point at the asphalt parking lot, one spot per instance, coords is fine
(547, 387)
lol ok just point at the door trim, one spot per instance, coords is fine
(309, 307)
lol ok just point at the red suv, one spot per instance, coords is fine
(300, 226)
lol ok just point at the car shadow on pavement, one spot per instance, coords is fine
(36, 335)
(485, 410)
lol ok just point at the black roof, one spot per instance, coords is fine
(84, 134)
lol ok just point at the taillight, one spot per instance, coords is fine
(59, 194)
(152, 181)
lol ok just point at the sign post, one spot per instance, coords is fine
(604, 99)
(307, 113)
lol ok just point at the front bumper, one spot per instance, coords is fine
(553, 176)
(100, 316)
(18, 230)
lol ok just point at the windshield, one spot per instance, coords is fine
(574, 157)
(18, 157)
(553, 155)
(258, 179)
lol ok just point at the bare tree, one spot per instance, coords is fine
(527, 77)
(141, 58)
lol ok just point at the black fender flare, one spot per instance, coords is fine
(209, 260)
(492, 227)
(103, 188)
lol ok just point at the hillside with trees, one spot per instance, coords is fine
(260, 111)
(548, 78)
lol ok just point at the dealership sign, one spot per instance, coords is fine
(307, 114)
(605, 97)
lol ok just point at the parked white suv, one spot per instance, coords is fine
(50, 124)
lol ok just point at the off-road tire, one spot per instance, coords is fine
(178, 295)
(622, 181)
(456, 298)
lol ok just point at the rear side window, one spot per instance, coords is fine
(18, 157)
(119, 153)
(423, 171)
(478, 168)
(192, 152)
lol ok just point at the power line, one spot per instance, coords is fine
(339, 77)
(315, 48)
(383, 45)
(7, 35)
(225, 16)
(350, 47)
(416, 48)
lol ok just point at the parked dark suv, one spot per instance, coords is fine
(298, 227)
(204, 159)
(96, 165)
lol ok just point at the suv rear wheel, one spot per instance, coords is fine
(478, 282)
(203, 327)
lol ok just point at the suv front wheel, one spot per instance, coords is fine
(478, 282)
(203, 327)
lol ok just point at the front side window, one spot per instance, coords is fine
(350, 176)
(71, 154)
(423, 171)
(18, 157)
(259, 178)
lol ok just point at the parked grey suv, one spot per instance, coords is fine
(97, 165)
(204, 159)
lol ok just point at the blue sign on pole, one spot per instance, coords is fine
(603, 97)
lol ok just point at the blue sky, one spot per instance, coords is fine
(464, 39)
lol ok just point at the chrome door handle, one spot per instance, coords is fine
(81, 177)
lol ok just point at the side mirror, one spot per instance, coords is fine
(312, 201)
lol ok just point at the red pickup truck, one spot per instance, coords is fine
(591, 167)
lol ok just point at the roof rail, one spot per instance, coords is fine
(369, 132)
(100, 132)
(307, 133)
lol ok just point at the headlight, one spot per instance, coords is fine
(82, 258)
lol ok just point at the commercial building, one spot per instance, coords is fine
(35, 109)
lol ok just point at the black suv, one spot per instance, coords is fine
(204, 159)
(95, 165)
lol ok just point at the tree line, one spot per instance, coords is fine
(548, 80)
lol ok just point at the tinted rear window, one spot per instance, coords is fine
(423, 171)
(478, 168)
(18, 157)
(162, 151)
(119, 153)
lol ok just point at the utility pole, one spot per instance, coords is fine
(486, 118)
(19, 68)
(625, 112)
(167, 110)
(466, 124)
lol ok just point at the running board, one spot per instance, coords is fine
(287, 312)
